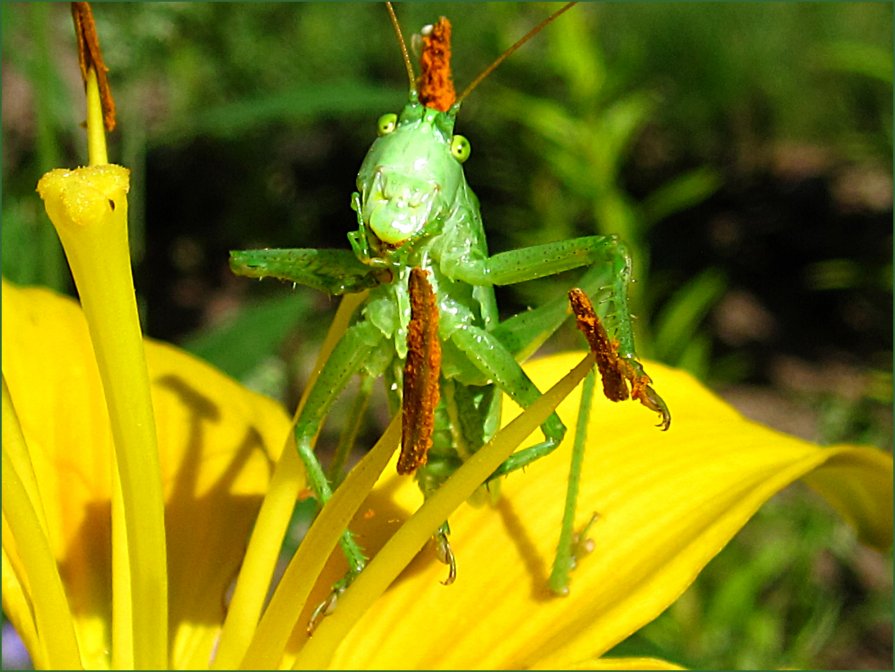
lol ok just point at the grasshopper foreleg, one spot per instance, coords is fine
(617, 373)
(336, 272)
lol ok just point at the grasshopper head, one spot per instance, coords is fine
(409, 179)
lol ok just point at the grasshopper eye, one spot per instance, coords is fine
(386, 124)
(460, 148)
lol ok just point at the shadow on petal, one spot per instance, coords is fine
(217, 443)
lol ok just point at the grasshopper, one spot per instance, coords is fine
(429, 324)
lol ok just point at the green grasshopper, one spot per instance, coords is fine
(429, 324)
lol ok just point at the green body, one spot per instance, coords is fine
(415, 210)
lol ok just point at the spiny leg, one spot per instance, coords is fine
(518, 334)
(347, 359)
(565, 558)
(523, 333)
(335, 272)
(490, 356)
(348, 435)
(538, 261)
(529, 329)
(616, 373)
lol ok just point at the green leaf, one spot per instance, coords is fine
(301, 103)
(680, 193)
(242, 343)
(681, 316)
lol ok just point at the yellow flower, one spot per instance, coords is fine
(667, 503)
(140, 486)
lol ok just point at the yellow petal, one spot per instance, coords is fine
(667, 503)
(621, 664)
(217, 443)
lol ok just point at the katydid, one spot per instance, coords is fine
(429, 324)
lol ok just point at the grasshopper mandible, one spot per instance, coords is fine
(429, 324)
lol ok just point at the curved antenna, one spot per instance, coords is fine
(500, 59)
(407, 64)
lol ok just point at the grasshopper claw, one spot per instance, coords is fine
(446, 555)
(328, 605)
(651, 399)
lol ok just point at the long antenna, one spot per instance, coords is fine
(500, 59)
(407, 64)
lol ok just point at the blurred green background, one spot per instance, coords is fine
(743, 151)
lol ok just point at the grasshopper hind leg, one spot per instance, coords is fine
(568, 549)
(617, 373)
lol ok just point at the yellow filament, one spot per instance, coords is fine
(306, 565)
(96, 130)
(410, 538)
(14, 442)
(273, 518)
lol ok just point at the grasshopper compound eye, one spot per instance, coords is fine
(386, 124)
(460, 148)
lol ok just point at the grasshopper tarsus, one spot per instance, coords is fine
(651, 399)
(326, 607)
(642, 391)
(445, 554)
(581, 545)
